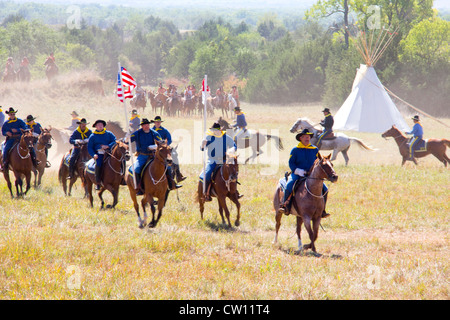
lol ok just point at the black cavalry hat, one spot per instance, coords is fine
(326, 110)
(82, 121)
(145, 121)
(74, 113)
(30, 118)
(157, 118)
(416, 118)
(216, 126)
(305, 131)
(11, 110)
(99, 121)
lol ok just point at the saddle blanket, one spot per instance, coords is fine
(421, 146)
(90, 166)
(66, 160)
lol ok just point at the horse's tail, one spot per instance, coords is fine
(61, 167)
(362, 144)
(278, 141)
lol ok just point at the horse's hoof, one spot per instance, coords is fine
(108, 206)
(237, 223)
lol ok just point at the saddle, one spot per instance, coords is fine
(282, 183)
(421, 146)
(329, 136)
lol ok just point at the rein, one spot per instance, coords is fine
(163, 177)
(121, 172)
(26, 149)
(306, 184)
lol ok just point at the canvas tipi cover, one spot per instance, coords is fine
(368, 108)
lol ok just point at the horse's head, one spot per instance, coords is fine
(392, 132)
(45, 138)
(327, 172)
(296, 126)
(223, 124)
(27, 138)
(120, 150)
(232, 164)
(164, 151)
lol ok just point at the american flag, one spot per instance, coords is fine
(128, 84)
(205, 91)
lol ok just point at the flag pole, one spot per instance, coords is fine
(127, 125)
(204, 94)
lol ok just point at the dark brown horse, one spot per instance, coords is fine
(139, 102)
(157, 101)
(155, 184)
(436, 147)
(223, 185)
(51, 70)
(113, 171)
(43, 144)
(308, 202)
(20, 163)
(63, 172)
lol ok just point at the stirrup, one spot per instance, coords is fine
(325, 214)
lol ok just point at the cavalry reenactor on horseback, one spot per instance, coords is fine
(36, 130)
(75, 120)
(327, 125)
(99, 142)
(135, 121)
(417, 132)
(301, 160)
(241, 124)
(12, 130)
(165, 135)
(217, 142)
(79, 137)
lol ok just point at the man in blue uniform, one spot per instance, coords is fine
(11, 129)
(79, 137)
(417, 132)
(135, 121)
(36, 130)
(327, 125)
(98, 143)
(217, 143)
(240, 124)
(75, 119)
(301, 160)
(165, 134)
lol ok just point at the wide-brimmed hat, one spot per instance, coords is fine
(157, 118)
(83, 120)
(326, 110)
(416, 117)
(237, 109)
(216, 126)
(30, 118)
(305, 131)
(99, 121)
(11, 110)
(146, 121)
(134, 111)
(74, 113)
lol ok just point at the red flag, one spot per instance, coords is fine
(205, 91)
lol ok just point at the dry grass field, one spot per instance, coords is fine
(387, 237)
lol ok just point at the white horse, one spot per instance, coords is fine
(340, 144)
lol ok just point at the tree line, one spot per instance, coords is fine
(273, 60)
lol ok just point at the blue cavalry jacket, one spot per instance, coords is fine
(164, 133)
(217, 146)
(14, 124)
(144, 140)
(303, 157)
(97, 139)
(417, 131)
(80, 135)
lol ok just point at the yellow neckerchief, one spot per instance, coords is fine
(211, 133)
(100, 132)
(134, 117)
(31, 124)
(157, 129)
(1, 110)
(419, 124)
(240, 113)
(302, 146)
(11, 121)
(78, 119)
(83, 133)
(328, 115)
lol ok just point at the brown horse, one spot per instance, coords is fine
(20, 163)
(308, 202)
(188, 105)
(139, 102)
(436, 147)
(113, 172)
(223, 185)
(154, 184)
(63, 172)
(157, 101)
(51, 70)
(43, 144)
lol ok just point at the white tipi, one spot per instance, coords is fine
(369, 108)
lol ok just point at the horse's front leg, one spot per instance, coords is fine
(28, 181)
(223, 204)
(235, 200)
